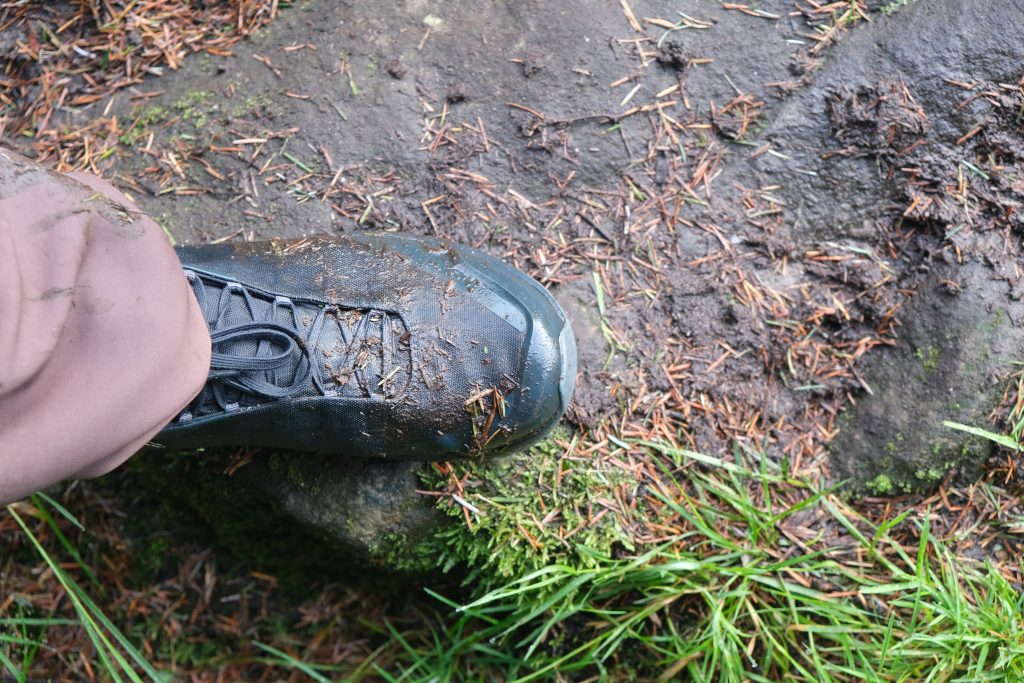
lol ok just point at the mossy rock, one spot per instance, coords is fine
(292, 512)
(366, 508)
(302, 514)
(177, 499)
(951, 361)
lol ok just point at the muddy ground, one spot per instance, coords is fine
(739, 204)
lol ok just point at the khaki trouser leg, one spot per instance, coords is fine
(101, 339)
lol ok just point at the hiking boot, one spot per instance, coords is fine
(374, 345)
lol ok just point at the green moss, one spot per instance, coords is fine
(151, 553)
(996, 320)
(298, 474)
(396, 552)
(186, 497)
(147, 116)
(930, 474)
(535, 509)
(896, 475)
(193, 107)
(144, 118)
(929, 358)
(881, 485)
(893, 477)
(256, 105)
(892, 447)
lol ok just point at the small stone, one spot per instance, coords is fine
(459, 92)
(395, 68)
(362, 506)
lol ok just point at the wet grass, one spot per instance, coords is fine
(759, 577)
(21, 636)
(732, 599)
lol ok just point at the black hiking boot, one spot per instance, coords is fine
(374, 345)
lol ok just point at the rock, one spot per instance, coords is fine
(591, 403)
(960, 333)
(326, 514)
(874, 149)
(367, 507)
(954, 353)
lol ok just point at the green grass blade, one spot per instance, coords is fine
(289, 661)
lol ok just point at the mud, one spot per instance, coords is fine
(909, 150)
(738, 212)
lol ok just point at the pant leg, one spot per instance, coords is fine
(101, 339)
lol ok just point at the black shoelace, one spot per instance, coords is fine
(261, 359)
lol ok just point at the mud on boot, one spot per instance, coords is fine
(374, 345)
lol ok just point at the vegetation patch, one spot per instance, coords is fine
(521, 514)
(193, 107)
(738, 572)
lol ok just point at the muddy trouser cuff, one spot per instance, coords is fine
(101, 340)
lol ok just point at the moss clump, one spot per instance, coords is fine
(535, 509)
(144, 118)
(399, 553)
(996, 320)
(255, 105)
(296, 472)
(929, 358)
(881, 485)
(930, 474)
(193, 107)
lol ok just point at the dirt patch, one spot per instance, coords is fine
(880, 121)
(62, 55)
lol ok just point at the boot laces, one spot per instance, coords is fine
(259, 357)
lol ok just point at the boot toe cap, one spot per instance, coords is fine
(548, 376)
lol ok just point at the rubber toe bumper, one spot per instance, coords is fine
(548, 377)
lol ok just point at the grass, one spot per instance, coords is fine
(758, 577)
(1010, 442)
(115, 654)
(613, 343)
(731, 599)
